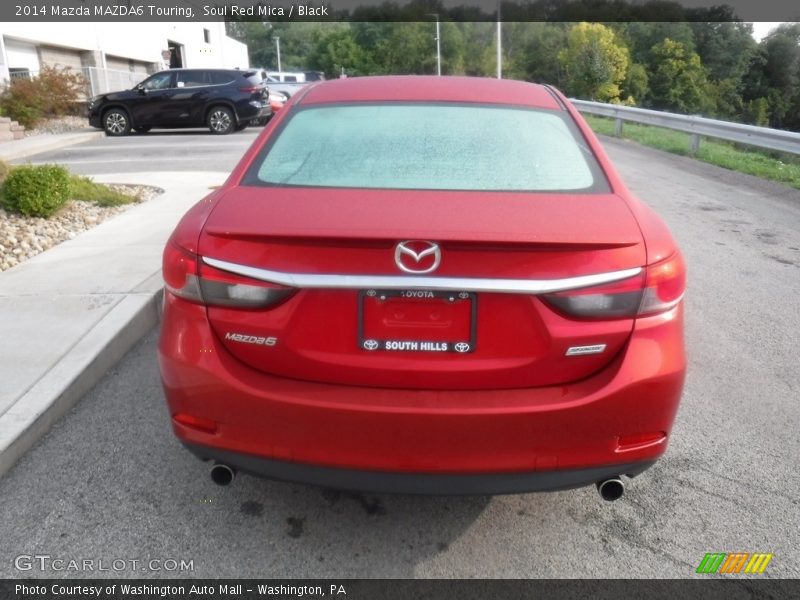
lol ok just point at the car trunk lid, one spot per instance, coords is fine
(326, 332)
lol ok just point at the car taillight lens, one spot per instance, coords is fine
(250, 90)
(179, 270)
(666, 283)
(657, 289)
(188, 278)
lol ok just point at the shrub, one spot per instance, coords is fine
(22, 101)
(4, 170)
(61, 90)
(53, 93)
(36, 190)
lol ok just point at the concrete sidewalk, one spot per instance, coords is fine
(35, 144)
(69, 314)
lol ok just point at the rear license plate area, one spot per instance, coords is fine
(417, 321)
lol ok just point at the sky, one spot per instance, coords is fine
(762, 29)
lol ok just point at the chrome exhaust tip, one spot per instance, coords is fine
(611, 489)
(222, 474)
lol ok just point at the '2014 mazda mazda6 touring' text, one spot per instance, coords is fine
(424, 285)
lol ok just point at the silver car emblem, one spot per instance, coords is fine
(462, 347)
(404, 253)
(371, 344)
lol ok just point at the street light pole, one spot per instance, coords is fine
(278, 46)
(438, 45)
(499, 44)
(438, 49)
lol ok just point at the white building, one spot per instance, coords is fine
(116, 55)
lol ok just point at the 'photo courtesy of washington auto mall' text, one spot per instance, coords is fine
(359, 299)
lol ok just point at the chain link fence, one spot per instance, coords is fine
(98, 81)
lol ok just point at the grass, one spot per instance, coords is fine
(83, 188)
(776, 166)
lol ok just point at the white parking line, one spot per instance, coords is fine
(121, 160)
(155, 147)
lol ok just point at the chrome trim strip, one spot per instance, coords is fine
(406, 282)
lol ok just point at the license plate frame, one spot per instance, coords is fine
(418, 346)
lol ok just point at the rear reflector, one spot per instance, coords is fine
(657, 289)
(186, 278)
(198, 423)
(626, 443)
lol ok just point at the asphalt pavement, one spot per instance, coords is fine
(110, 481)
(158, 150)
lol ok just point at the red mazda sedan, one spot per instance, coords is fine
(425, 285)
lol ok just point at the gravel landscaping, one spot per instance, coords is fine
(60, 125)
(23, 237)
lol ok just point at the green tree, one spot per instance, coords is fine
(478, 43)
(298, 40)
(398, 50)
(337, 52)
(636, 85)
(640, 37)
(678, 81)
(538, 46)
(782, 70)
(773, 75)
(756, 112)
(594, 63)
(727, 98)
(724, 48)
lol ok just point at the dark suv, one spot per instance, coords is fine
(224, 100)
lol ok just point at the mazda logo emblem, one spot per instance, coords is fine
(417, 257)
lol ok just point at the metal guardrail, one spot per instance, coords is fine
(761, 137)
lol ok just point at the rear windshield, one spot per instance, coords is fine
(431, 147)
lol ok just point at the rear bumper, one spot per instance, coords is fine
(383, 482)
(475, 441)
(245, 111)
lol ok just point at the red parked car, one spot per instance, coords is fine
(425, 285)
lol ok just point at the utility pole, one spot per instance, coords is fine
(278, 46)
(499, 44)
(438, 45)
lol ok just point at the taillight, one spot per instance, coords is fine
(666, 283)
(179, 270)
(188, 278)
(657, 289)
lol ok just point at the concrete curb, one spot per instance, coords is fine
(45, 143)
(129, 296)
(76, 373)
